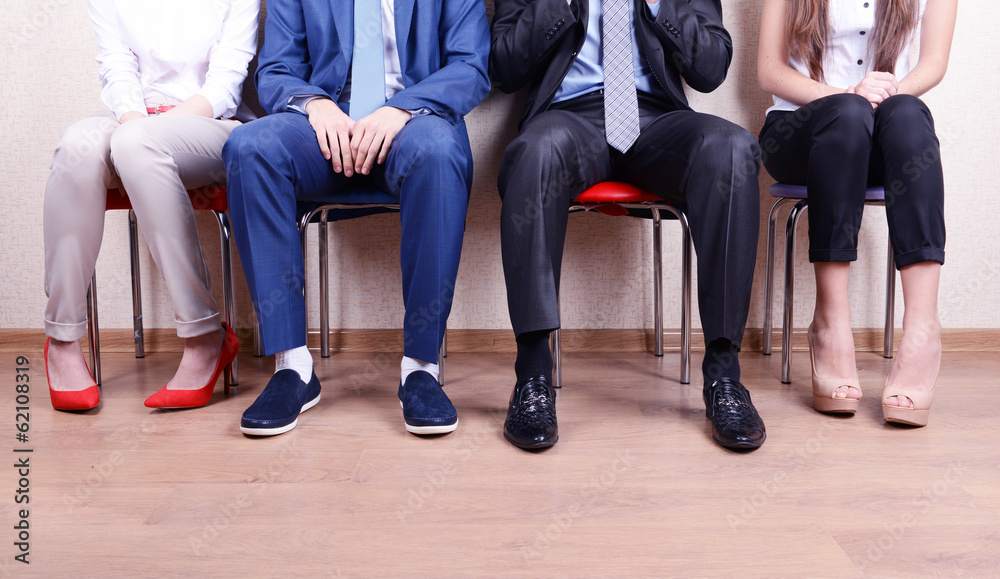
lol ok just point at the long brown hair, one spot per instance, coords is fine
(808, 27)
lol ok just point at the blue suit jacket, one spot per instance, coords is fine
(443, 52)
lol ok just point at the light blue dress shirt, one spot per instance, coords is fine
(587, 73)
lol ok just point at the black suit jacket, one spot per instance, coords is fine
(534, 43)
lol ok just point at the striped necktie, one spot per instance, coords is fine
(368, 66)
(621, 105)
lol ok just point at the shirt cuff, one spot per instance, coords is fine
(298, 102)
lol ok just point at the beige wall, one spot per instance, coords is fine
(48, 78)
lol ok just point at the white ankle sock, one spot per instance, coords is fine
(298, 359)
(411, 365)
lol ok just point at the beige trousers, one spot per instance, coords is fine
(156, 159)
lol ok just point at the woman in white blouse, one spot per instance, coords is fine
(172, 74)
(846, 115)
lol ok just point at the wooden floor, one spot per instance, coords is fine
(634, 488)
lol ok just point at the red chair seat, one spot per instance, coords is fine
(209, 197)
(606, 196)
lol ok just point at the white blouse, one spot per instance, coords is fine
(156, 53)
(846, 60)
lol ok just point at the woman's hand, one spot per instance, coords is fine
(195, 106)
(876, 87)
(131, 116)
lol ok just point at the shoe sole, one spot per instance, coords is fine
(534, 446)
(739, 445)
(440, 429)
(829, 405)
(279, 429)
(908, 416)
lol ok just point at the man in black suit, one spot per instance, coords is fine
(605, 102)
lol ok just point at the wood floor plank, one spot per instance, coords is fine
(634, 488)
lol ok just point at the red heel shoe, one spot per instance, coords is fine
(71, 399)
(164, 398)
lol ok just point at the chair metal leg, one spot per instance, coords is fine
(890, 304)
(324, 287)
(685, 298)
(658, 281)
(133, 242)
(258, 345)
(772, 226)
(786, 329)
(228, 296)
(93, 328)
(442, 352)
(557, 358)
(303, 231)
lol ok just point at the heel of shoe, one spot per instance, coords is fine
(227, 378)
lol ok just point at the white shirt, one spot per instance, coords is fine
(846, 60)
(156, 53)
(390, 55)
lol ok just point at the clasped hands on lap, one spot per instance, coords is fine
(876, 87)
(354, 146)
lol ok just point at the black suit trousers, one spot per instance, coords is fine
(705, 164)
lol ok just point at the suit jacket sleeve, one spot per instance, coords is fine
(525, 35)
(284, 65)
(461, 83)
(695, 43)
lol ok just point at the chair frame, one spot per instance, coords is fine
(228, 297)
(791, 224)
(654, 208)
(322, 210)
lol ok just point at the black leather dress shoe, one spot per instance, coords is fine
(735, 422)
(531, 416)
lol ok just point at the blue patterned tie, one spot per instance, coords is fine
(368, 66)
(621, 105)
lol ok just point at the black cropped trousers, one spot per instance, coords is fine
(837, 146)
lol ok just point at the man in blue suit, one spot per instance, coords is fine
(362, 94)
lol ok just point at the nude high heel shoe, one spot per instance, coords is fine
(824, 388)
(915, 415)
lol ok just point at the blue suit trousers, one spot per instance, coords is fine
(274, 163)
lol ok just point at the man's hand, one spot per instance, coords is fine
(333, 133)
(131, 116)
(876, 87)
(373, 136)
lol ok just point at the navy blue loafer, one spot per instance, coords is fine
(426, 408)
(277, 408)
